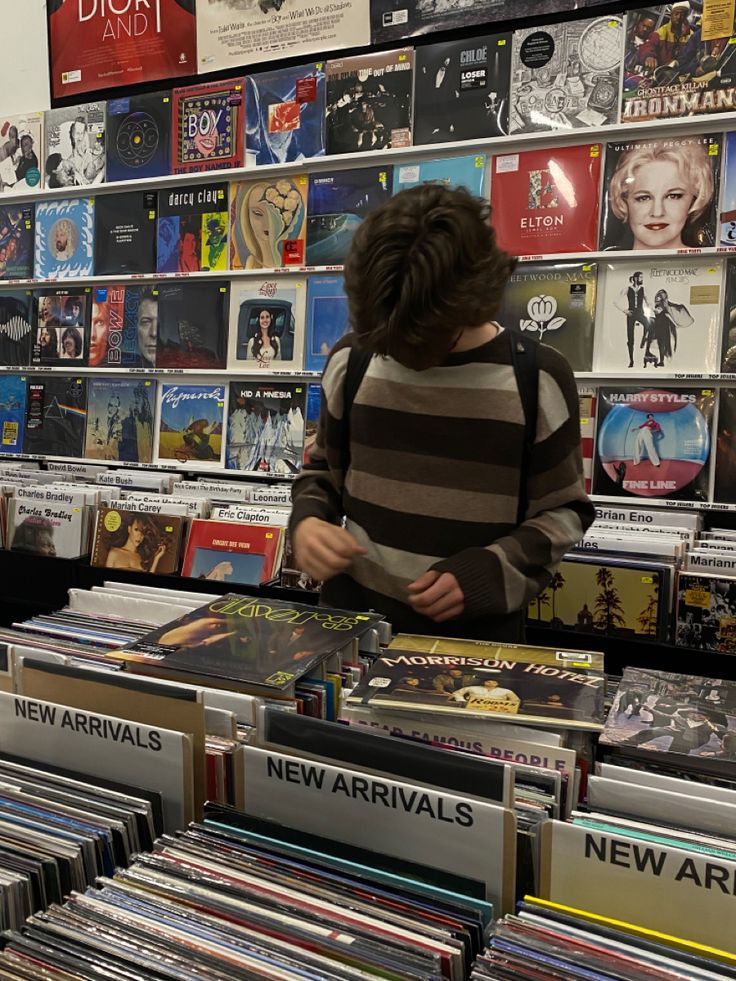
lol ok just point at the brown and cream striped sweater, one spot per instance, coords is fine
(433, 483)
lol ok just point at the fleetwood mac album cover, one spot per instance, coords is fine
(12, 413)
(139, 136)
(21, 150)
(17, 328)
(654, 442)
(468, 172)
(75, 146)
(338, 203)
(193, 227)
(120, 419)
(267, 324)
(65, 238)
(191, 424)
(266, 427)
(268, 223)
(192, 325)
(17, 240)
(208, 126)
(62, 326)
(328, 318)
(56, 416)
(125, 233)
(285, 115)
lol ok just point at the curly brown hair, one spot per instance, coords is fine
(421, 268)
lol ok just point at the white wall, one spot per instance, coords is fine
(24, 65)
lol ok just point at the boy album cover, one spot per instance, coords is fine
(724, 487)
(661, 193)
(12, 413)
(554, 303)
(266, 427)
(139, 136)
(208, 126)
(652, 442)
(21, 150)
(192, 325)
(17, 241)
(587, 404)
(125, 233)
(191, 424)
(468, 172)
(285, 115)
(338, 203)
(461, 89)
(124, 327)
(328, 318)
(75, 146)
(663, 315)
(65, 239)
(311, 421)
(17, 328)
(193, 229)
(268, 221)
(120, 419)
(369, 101)
(62, 326)
(534, 211)
(267, 330)
(227, 551)
(679, 61)
(137, 542)
(56, 415)
(566, 75)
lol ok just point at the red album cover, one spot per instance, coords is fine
(227, 551)
(208, 121)
(545, 202)
(101, 44)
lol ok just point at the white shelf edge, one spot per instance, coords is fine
(631, 501)
(669, 378)
(162, 468)
(37, 369)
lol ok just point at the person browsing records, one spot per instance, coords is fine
(445, 483)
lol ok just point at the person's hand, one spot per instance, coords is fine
(437, 595)
(323, 550)
(160, 552)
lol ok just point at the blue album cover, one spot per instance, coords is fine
(467, 172)
(12, 413)
(191, 423)
(311, 419)
(65, 232)
(337, 205)
(120, 419)
(285, 115)
(139, 136)
(16, 241)
(328, 318)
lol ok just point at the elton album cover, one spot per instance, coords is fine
(338, 203)
(65, 238)
(137, 542)
(192, 324)
(21, 152)
(191, 422)
(193, 229)
(208, 126)
(328, 318)
(139, 136)
(62, 326)
(17, 241)
(75, 145)
(706, 612)
(267, 324)
(265, 431)
(12, 413)
(125, 233)
(285, 115)
(56, 415)
(268, 222)
(17, 327)
(123, 327)
(120, 419)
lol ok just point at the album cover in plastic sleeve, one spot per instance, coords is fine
(192, 325)
(74, 140)
(546, 201)
(566, 75)
(265, 430)
(12, 413)
(588, 405)
(285, 115)
(139, 136)
(461, 89)
(654, 442)
(17, 241)
(661, 316)
(65, 238)
(727, 231)
(679, 61)
(661, 193)
(17, 327)
(706, 612)
(193, 228)
(46, 529)
(137, 542)
(100, 45)
(337, 205)
(369, 101)
(21, 152)
(268, 222)
(468, 172)
(207, 123)
(56, 415)
(267, 324)
(311, 421)
(724, 487)
(554, 303)
(62, 326)
(728, 360)
(124, 327)
(228, 551)
(191, 424)
(120, 419)
(328, 318)
(125, 233)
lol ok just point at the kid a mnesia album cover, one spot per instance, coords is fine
(266, 427)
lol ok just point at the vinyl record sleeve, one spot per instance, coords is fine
(546, 201)
(369, 101)
(566, 75)
(728, 361)
(139, 136)
(17, 241)
(64, 243)
(267, 324)
(55, 529)
(265, 430)
(120, 419)
(662, 316)
(468, 172)
(191, 423)
(661, 193)
(12, 413)
(56, 416)
(328, 318)
(62, 327)
(125, 233)
(21, 152)
(124, 326)
(651, 442)
(192, 324)
(268, 222)
(461, 89)
(207, 124)
(588, 404)
(193, 229)
(228, 551)
(554, 303)
(285, 115)
(311, 423)
(74, 140)
(706, 612)
(724, 487)
(337, 205)
(17, 325)
(137, 542)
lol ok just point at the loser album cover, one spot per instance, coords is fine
(468, 172)
(587, 404)
(62, 326)
(56, 416)
(338, 203)
(21, 150)
(124, 327)
(566, 75)
(193, 228)
(663, 315)
(12, 413)
(285, 115)
(125, 233)
(328, 318)
(120, 419)
(265, 431)
(546, 201)
(706, 612)
(369, 101)
(17, 328)
(191, 424)
(661, 193)
(75, 145)
(65, 238)
(268, 223)
(137, 542)
(554, 303)
(653, 442)
(139, 136)
(192, 325)
(208, 126)
(724, 487)
(267, 324)
(17, 240)
(461, 89)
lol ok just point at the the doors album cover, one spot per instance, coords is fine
(62, 326)
(268, 324)
(208, 126)
(120, 419)
(193, 228)
(125, 233)
(17, 241)
(75, 145)
(285, 115)
(192, 325)
(56, 415)
(65, 238)
(17, 327)
(21, 152)
(139, 136)
(13, 391)
(265, 432)
(137, 542)
(191, 424)
(268, 220)
(328, 318)
(338, 203)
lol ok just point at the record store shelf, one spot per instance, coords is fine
(113, 372)
(656, 502)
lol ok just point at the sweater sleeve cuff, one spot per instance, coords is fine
(479, 573)
(310, 507)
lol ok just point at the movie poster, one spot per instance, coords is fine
(191, 424)
(285, 115)
(267, 324)
(97, 44)
(266, 427)
(231, 33)
(207, 122)
(21, 150)
(120, 419)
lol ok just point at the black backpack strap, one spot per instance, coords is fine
(525, 361)
(358, 362)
